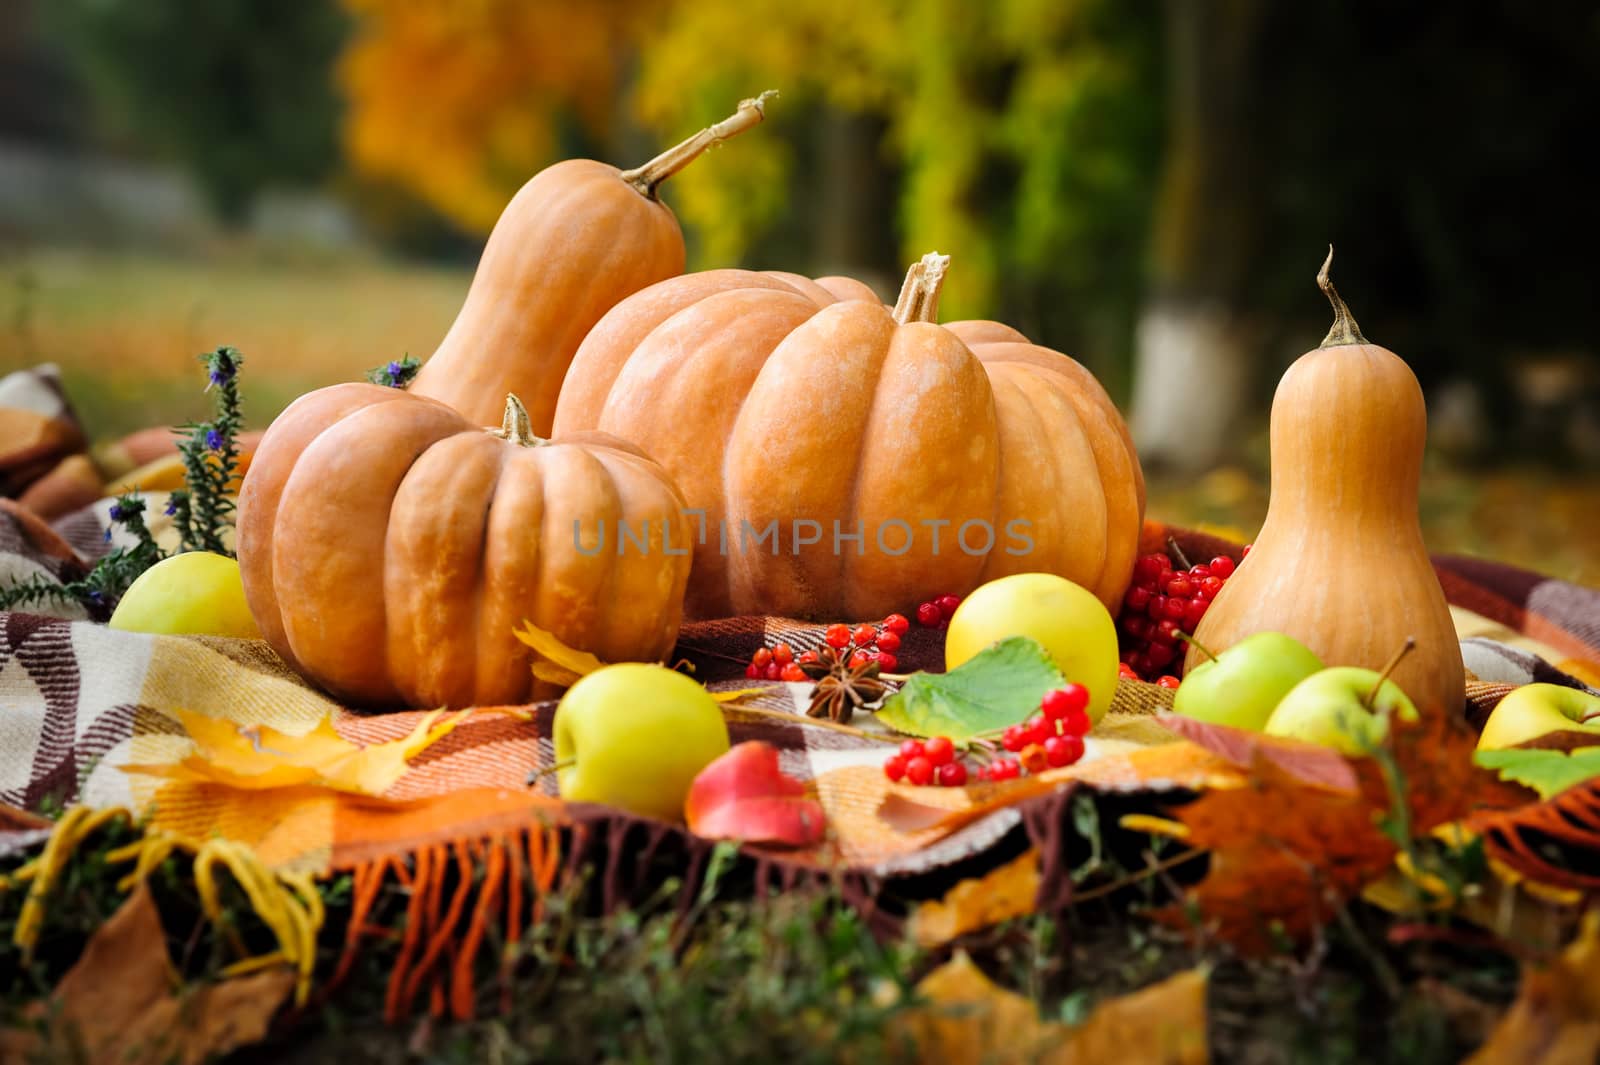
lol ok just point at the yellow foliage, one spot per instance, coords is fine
(459, 100)
(256, 757)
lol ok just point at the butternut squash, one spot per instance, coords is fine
(1340, 563)
(575, 240)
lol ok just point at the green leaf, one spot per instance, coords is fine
(997, 687)
(1547, 772)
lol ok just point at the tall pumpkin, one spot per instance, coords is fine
(389, 547)
(771, 398)
(578, 237)
(1340, 562)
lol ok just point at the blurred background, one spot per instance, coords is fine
(1147, 186)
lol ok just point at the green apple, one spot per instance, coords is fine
(636, 735)
(1067, 620)
(1244, 684)
(1534, 710)
(1329, 708)
(196, 593)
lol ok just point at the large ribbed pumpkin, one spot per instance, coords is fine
(1340, 563)
(578, 237)
(390, 547)
(770, 398)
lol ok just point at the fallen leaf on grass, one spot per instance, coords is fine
(117, 1005)
(969, 1018)
(979, 902)
(1555, 1019)
(999, 686)
(744, 795)
(257, 757)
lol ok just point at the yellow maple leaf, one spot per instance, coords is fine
(964, 1016)
(1553, 1021)
(978, 902)
(258, 757)
(557, 663)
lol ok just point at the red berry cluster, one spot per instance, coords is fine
(1162, 602)
(937, 612)
(858, 645)
(1050, 739)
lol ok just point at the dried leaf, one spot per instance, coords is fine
(1305, 761)
(568, 661)
(999, 686)
(969, 1018)
(1556, 1017)
(1548, 772)
(117, 1003)
(979, 902)
(1287, 853)
(744, 795)
(257, 757)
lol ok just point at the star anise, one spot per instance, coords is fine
(842, 689)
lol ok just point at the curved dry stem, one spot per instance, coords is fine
(680, 155)
(1345, 330)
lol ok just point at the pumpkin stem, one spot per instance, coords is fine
(517, 426)
(674, 159)
(919, 296)
(1344, 331)
(1383, 675)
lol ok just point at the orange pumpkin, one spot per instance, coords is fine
(578, 237)
(389, 547)
(1348, 428)
(958, 453)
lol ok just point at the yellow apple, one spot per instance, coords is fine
(1067, 620)
(195, 593)
(1534, 710)
(636, 735)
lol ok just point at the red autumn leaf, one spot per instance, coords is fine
(1287, 852)
(1304, 761)
(744, 795)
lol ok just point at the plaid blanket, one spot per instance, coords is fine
(461, 827)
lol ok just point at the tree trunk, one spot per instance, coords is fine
(1193, 345)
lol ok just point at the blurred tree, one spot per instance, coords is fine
(461, 101)
(235, 90)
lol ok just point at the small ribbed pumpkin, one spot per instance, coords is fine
(1348, 428)
(389, 547)
(770, 397)
(578, 237)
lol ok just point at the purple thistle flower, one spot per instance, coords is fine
(108, 536)
(213, 440)
(117, 513)
(172, 507)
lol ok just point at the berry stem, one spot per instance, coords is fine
(1196, 644)
(1383, 674)
(1177, 553)
(814, 722)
